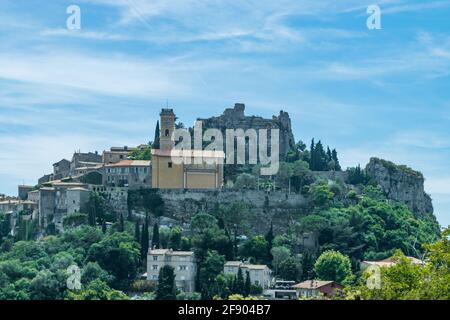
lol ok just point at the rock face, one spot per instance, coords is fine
(401, 183)
(234, 118)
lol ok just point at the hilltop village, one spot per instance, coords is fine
(264, 235)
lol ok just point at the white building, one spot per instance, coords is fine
(260, 274)
(183, 262)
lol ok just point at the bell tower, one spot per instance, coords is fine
(167, 127)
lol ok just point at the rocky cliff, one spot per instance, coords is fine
(401, 183)
(235, 118)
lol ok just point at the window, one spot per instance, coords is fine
(169, 164)
(166, 133)
(154, 277)
(155, 258)
(155, 267)
(183, 268)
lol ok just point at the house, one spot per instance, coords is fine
(388, 262)
(116, 154)
(183, 262)
(194, 169)
(260, 275)
(84, 160)
(61, 169)
(128, 173)
(314, 288)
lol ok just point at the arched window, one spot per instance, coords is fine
(166, 133)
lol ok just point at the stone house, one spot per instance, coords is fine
(128, 173)
(183, 262)
(260, 275)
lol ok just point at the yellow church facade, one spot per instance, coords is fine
(183, 169)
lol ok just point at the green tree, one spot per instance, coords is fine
(156, 140)
(144, 241)
(279, 255)
(247, 284)
(256, 248)
(166, 289)
(137, 232)
(289, 269)
(208, 272)
(333, 266)
(155, 236)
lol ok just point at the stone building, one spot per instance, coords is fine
(183, 262)
(84, 160)
(116, 154)
(61, 169)
(260, 275)
(128, 173)
(193, 169)
(23, 191)
(60, 200)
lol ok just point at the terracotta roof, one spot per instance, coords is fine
(311, 284)
(189, 153)
(130, 163)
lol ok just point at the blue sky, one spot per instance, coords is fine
(365, 92)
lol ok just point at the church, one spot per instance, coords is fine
(200, 169)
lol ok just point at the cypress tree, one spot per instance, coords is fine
(329, 156)
(334, 156)
(104, 226)
(240, 283)
(121, 224)
(312, 160)
(248, 284)
(157, 136)
(269, 238)
(137, 232)
(155, 236)
(320, 157)
(144, 240)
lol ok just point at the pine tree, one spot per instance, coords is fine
(144, 240)
(157, 137)
(334, 156)
(329, 155)
(91, 218)
(104, 226)
(137, 232)
(248, 284)
(155, 236)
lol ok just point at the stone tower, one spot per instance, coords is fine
(167, 127)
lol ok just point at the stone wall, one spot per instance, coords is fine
(277, 207)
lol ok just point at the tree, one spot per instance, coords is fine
(245, 181)
(121, 223)
(240, 283)
(208, 272)
(256, 248)
(97, 290)
(137, 232)
(247, 284)
(279, 255)
(144, 241)
(334, 157)
(157, 136)
(166, 289)
(321, 194)
(155, 236)
(333, 266)
(289, 269)
(118, 254)
(96, 208)
(269, 238)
